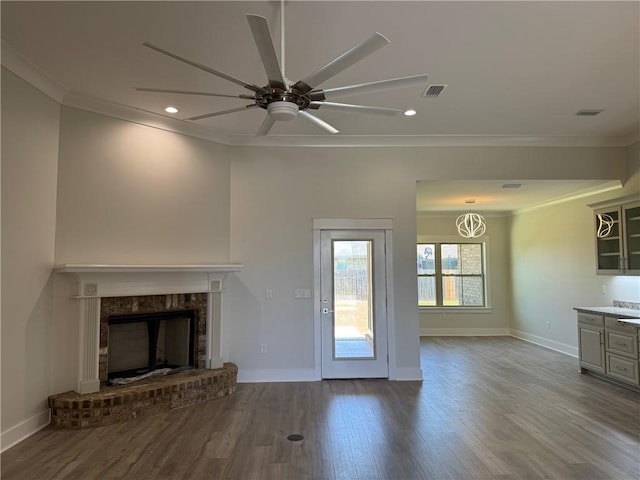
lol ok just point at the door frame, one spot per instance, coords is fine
(381, 224)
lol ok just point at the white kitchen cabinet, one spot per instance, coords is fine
(591, 342)
(617, 234)
(608, 345)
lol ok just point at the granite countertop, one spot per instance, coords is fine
(628, 315)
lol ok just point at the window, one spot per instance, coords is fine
(451, 275)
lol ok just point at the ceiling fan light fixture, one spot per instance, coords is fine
(283, 111)
(409, 113)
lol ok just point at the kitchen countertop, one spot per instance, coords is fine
(628, 315)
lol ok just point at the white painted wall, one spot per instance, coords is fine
(492, 322)
(130, 194)
(120, 184)
(30, 130)
(553, 267)
(275, 194)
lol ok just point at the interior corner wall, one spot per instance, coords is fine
(276, 193)
(492, 322)
(132, 194)
(30, 133)
(553, 268)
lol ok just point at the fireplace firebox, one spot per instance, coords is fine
(143, 342)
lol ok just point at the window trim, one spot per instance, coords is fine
(484, 240)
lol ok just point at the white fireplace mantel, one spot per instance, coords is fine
(95, 280)
(90, 282)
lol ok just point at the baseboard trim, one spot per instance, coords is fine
(277, 375)
(406, 374)
(545, 342)
(24, 429)
(464, 332)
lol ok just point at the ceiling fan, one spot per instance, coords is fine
(284, 100)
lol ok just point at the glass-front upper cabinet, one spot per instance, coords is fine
(631, 232)
(609, 248)
(617, 232)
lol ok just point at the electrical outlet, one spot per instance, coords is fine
(263, 348)
(548, 325)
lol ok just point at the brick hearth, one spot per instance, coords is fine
(117, 404)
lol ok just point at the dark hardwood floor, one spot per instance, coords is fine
(489, 408)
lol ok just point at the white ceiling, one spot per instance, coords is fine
(512, 68)
(492, 198)
(517, 72)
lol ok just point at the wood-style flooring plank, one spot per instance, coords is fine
(490, 408)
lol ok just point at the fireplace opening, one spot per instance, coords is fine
(144, 342)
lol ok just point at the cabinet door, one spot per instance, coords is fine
(631, 232)
(625, 369)
(591, 348)
(609, 250)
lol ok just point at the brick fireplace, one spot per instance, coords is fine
(125, 339)
(180, 306)
(96, 292)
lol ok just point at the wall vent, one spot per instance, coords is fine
(588, 112)
(433, 91)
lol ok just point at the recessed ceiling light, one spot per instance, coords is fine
(512, 185)
(409, 113)
(171, 110)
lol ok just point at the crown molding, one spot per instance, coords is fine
(31, 73)
(587, 192)
(42, 81)
(155, 120)
(142, 117)
(426, 141)
(615, 201)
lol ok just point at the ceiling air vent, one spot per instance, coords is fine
(588, 112)
(433, 91)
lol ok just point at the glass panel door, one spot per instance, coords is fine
(353, 332)
(353, 304)
(632, 237)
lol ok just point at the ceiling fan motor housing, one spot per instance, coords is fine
(283, 110)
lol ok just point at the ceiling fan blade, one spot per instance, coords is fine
(369, 87)
(266, 126)
(344, 61)
(344, 107)
(264, 42)
(316, 122)
(210, 70)
(189, 92)
(224, 112)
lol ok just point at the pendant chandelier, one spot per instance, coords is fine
(471, 225)
(605, 225)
